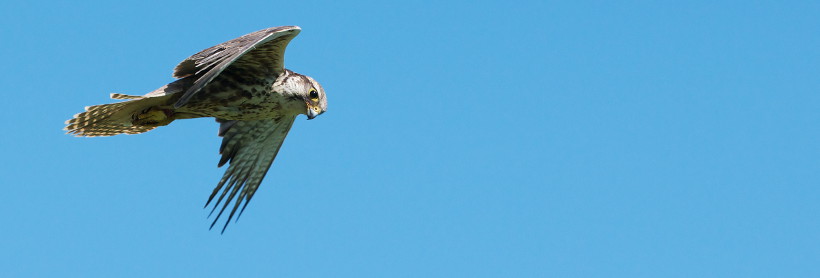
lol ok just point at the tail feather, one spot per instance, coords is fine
(118, 118)
(124, 96)
(107, 120)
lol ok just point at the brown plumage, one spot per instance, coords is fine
(244, 85)
(104, 120)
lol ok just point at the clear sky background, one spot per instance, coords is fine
(463, 139)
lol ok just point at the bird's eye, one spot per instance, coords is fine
(314, 95)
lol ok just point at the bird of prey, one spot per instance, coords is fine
(244, 85)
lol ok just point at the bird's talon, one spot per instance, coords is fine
(153, 117)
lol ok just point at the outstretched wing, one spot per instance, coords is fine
(250, 147)
(261, 53)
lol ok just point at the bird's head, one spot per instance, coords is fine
(315, 100)
(306, 94)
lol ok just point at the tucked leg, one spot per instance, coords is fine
(154, 116)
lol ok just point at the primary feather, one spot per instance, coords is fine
(242, 83)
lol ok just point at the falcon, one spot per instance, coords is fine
(244, 85)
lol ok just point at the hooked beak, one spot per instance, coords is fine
(312, 112)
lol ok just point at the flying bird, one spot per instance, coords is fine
(244, 85)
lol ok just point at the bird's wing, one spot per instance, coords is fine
(250, 147)
(258, 53)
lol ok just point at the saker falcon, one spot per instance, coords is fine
(244, 85)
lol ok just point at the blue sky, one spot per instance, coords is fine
(463, 139)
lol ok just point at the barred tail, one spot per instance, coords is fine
(111, 119)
